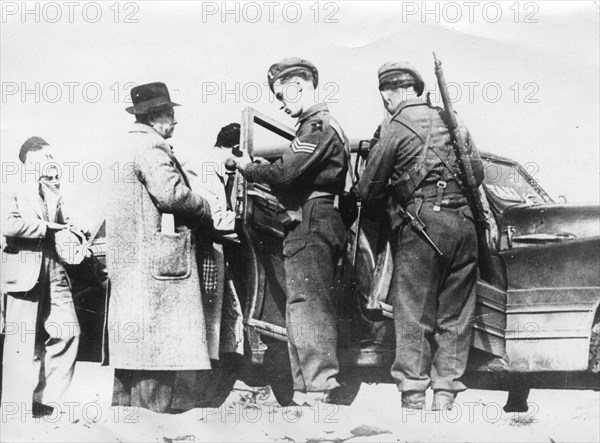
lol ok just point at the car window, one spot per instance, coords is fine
(510, 183)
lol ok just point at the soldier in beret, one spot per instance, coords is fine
(308, 179)
(413, 166)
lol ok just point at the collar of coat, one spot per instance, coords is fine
(407, 103)
(146, 129)
(312, 111)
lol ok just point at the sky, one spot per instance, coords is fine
(524, 76)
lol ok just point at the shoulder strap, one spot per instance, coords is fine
(445, 160)
(407, 105)
(338, 129)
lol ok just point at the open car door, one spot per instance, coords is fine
(260, 227)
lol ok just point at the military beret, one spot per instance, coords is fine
(31, 144)
(402, 73)
(290, 65)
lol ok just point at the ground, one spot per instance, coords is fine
(252, 415)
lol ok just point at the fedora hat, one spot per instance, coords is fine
(149, 97)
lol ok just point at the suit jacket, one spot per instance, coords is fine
(24, 234)
(207, 177)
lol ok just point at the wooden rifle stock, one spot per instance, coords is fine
(486, 266)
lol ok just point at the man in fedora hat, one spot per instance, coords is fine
(413, 166)
(41, 324)
(156, 319)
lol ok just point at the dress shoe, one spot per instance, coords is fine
(41, 410)
(413, 399)
(443, 400)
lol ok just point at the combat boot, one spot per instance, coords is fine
(442, 400)
(413, 399)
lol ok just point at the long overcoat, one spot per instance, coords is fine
(155, 316)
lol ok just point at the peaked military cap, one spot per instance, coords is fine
(149, 97)
(403, 73)
(289, 65)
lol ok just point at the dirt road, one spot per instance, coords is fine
(252, 414)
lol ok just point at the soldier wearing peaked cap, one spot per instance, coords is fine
(413, 166)
(308, 179)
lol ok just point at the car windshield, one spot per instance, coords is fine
(510, 183)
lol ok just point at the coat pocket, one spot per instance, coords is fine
(292, 247)
(171, 256)
(466, 212)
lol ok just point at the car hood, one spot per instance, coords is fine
(551, 222)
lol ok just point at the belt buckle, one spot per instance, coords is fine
(441, 185)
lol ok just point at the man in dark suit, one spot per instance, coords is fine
(41, 324)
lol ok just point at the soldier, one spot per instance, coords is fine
(308, 179)
(414, 167)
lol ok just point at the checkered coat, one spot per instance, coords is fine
(155, 319)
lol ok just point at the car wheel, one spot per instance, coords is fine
(206, 389)
(280, 378)
(219, 384)
(279, 373)
(519, 386)
(350, 383)
(594, 355)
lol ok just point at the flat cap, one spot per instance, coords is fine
(400, 73)
(290, 65)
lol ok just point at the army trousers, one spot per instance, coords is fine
(434, 299)
(311, 251)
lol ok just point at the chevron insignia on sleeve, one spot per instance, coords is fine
(298, 146)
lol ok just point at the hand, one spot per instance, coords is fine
(261, 161)
(55, 226)
(243, 161)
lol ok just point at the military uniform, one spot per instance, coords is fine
(414, 165)
(306, 179)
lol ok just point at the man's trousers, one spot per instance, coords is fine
(311, 251)
(42, 337)
(434, 299)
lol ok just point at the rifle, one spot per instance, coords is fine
(472, 192)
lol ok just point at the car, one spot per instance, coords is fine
(537, 324)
